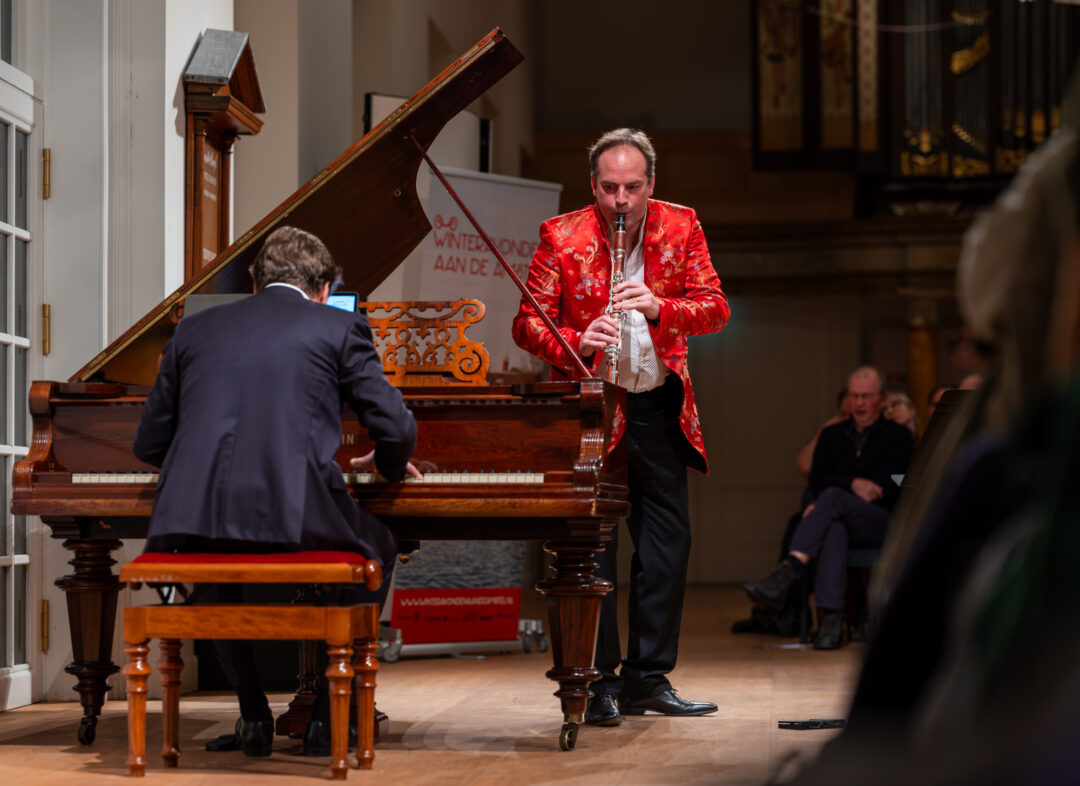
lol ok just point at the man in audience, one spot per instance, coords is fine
(852, 478)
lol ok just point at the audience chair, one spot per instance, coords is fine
(341, 627)
(860, 564)
(860, 559)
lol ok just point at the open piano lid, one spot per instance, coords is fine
(364, 206)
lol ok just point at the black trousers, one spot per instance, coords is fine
(238, 657)
(839, 520)
(659, 525)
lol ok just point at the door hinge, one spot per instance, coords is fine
(44, 626)
(46, 327)
(46, 173)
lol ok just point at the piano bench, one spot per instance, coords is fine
(339, 626)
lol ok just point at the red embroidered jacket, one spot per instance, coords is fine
(569, 277)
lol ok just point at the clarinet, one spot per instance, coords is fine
(618, 255)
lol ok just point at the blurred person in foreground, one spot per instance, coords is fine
(972, 676)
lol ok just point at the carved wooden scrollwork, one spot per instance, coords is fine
(424, 342)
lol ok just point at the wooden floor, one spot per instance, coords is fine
(494, 721)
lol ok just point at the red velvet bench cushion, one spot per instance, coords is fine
(292, 567)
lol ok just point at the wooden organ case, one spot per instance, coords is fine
(933, 104)
(82, 478)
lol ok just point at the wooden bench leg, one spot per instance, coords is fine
(366, 666)
(339, 673)
(137, 670)
(170, 666)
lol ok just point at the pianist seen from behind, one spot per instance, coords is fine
(634, 332)
(244, 419)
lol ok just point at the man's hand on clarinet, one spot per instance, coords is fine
(601, 332)
(636, 296)
(367, 461)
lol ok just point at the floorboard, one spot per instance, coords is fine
(494, 720)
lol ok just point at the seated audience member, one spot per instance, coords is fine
(244, 419)
(899, 409)
(854, 462)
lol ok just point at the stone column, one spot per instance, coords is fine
(922, 361)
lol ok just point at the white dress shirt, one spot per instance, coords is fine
(640, 368)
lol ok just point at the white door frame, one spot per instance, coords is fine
(20, 111)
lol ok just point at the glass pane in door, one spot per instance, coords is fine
(19, 636)
(22, 166)
(5, 129)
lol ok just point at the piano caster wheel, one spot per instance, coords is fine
(568, 736)
(87, 730)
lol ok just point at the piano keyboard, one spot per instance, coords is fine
(113, 477)
(359, 478)
(452, 477)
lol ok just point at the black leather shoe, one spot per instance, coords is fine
(772, 591)
(254, 738)
(257, 737)
(830, 630)
(667, 703)
(317, 738)
(601, 711)
(226, 742)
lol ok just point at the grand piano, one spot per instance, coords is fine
(532, 461)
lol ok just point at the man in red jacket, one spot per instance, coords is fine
(670, 291)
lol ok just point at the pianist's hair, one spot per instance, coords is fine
(624, 136)
(293, 256)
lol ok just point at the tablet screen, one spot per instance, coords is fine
(346, 301)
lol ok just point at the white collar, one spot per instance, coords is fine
(290, 286)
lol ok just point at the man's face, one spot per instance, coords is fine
(620, 186)
(864, 391)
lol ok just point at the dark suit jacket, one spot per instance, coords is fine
(885, 453)
(244, 419)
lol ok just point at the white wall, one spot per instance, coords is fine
(398, 47)
(108, 73)
(266, 166)
(326, 92)
(185, 21)
(763, 385)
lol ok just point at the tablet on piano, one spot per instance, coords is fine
(346, 301)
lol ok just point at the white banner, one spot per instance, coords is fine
(453, 261)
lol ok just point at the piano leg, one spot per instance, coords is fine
(91, 600)
(293, 722)
(573, 601)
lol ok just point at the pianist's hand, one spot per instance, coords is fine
(367, 461)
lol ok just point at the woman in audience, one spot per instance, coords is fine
(899, 409)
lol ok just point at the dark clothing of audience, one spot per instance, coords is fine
(880, 451)
(840, 519)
